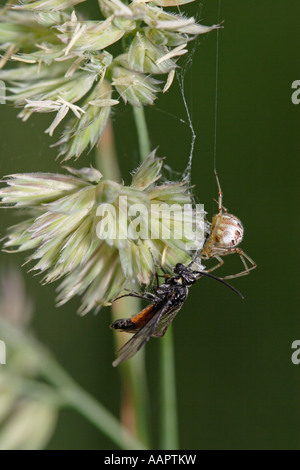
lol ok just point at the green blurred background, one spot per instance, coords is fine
(237, 386)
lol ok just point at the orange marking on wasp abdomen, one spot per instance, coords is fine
(143, 317)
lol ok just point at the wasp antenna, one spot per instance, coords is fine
(222, 282)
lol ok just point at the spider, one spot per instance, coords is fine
(226, 234)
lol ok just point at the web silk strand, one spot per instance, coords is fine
(216, 90)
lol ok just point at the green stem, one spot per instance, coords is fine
(133, 374)
(139, 380)
(169, 422)
(106, 155)
(134, 411)
(142, 131)
(139, 360)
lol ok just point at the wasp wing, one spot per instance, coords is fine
(152, 328)
(138, 340)
(165, 321)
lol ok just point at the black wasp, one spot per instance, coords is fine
(166, 302)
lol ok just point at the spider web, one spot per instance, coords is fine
(180, 75)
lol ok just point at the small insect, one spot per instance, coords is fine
(226, 233)
(166, 302)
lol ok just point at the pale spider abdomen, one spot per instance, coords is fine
(229, 232)
(226, 232)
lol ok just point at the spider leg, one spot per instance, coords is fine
(243, 257)
(220, 192)
(221, 262)
(224, 208)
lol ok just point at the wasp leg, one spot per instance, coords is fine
(145, 296)
(157, 276)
